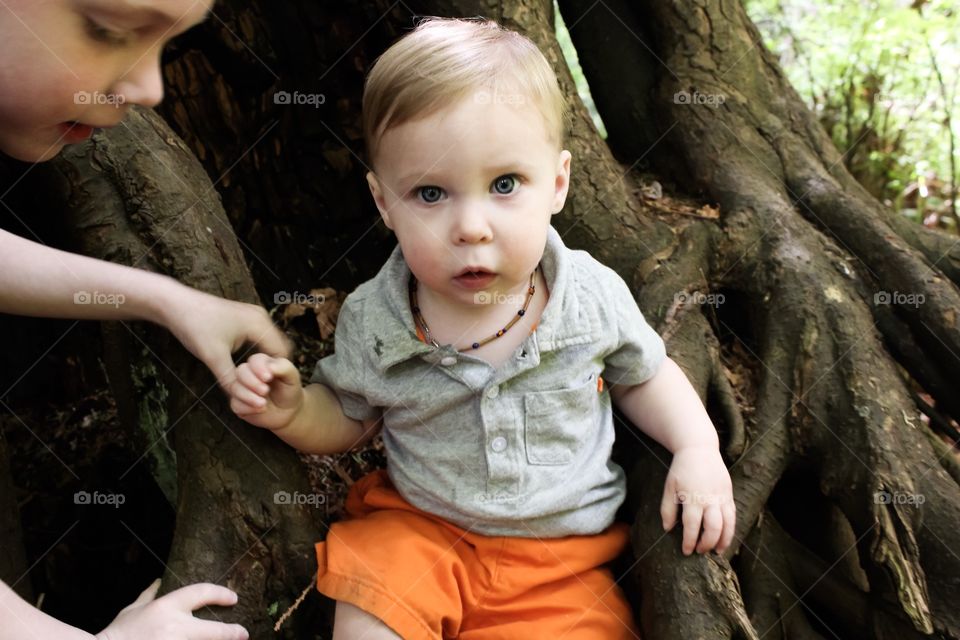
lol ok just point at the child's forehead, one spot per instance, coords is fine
(407, 162)
(470, 130)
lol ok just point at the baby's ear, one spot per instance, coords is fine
(377, 192)
(562, 182)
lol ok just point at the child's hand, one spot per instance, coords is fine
(212, 328)
(698, 480)
(267, 392)
(171, 617)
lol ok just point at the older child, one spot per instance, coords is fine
(490, 353)
(70, 67)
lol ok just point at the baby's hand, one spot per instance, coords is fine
(699, 481)
(267, 392)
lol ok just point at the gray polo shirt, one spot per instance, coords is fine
(522, 450)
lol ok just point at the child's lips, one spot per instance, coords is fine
(73, 132)
(475, 280)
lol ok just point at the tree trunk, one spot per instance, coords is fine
(808, 317)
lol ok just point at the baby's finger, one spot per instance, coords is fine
(729, 510)
(668, 507)
(148, 594)
(242, 409)
(260, 363)
(199, 595)
(712, 528)
(243, 394)
(284, 371)
(251, 381)
(692, 517)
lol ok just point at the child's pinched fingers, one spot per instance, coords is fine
(243, 410)
(247, 388)
(249, 379)
(268, 369)
(260, 365)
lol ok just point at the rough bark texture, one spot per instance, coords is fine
(137, 196)
(810, 376)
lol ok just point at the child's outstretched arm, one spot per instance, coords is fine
(40, 281)
(310, 419)
(667, 408)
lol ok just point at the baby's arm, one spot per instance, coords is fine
(310, 419)
(667, 408)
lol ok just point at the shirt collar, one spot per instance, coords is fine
(388, 308)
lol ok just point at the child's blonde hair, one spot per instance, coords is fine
(443, 61)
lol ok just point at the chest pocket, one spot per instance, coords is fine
(558, 423)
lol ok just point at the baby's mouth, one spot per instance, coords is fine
(474, 272)
(473, 278)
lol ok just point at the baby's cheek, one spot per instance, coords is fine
(425, 264)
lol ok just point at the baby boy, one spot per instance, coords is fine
(489, 355)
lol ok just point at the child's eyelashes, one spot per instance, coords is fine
(429, 194)
(106, 35)
(504, 185)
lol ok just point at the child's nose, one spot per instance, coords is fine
(143, 84)
(471, 226)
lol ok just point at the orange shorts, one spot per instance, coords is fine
(427, 578)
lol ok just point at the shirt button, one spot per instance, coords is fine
(493, 391)
(498, 444)
(448, 360)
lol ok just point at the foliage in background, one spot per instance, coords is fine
(573, 62)
(882, 77)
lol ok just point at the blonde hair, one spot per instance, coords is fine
(443, 60)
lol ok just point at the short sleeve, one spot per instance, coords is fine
(344, 371)
(639, 351)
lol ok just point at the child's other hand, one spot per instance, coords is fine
(171, 616)
(267, 392)
(699, 482)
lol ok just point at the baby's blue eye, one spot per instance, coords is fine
(430, 194)
(505, 184)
